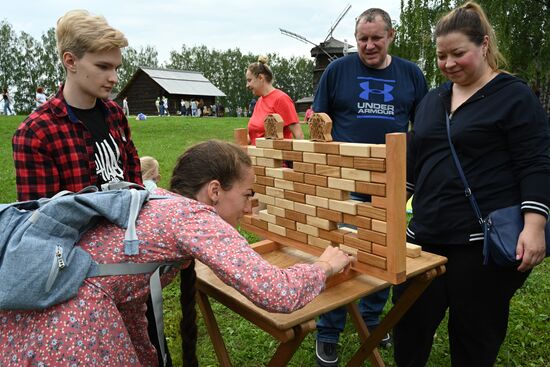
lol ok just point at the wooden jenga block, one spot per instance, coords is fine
(342, 184)
(329, 214)
(305, 208)
(413, 250)
(295, 216)
(377, 150)
(258, 188)
(355, 174)
(291, 175)
(317, 201)
(285, 144)
(378, 226)
(318, 158)
(240, 136)
(284, 184)
(367, 210)
(340, 161)
(297, 197)
(357, 220)
(344, 206)
(372, 236)
(330, 171)
(297, 236)
(320, 127)
(370, 188)
(320, 223)
(257, 222)
(318, 242)
(331, 193)
(304, 167)
(348, 250)
(275, 172)
(266, 199)
(351, 239)
(355, 150)
(379, 202)
(275, 210)
(303, 145)
(255, 151)
(370, 259)
(263, 180)
(379, 177)
(253, 161)
(316, 180)
(379, 250)
(273, 126)
(304, 188)
(259, 171)
(283, 203)
(268, 162)
(266, 217)
(247, 219)
(327, 147)
(273, 153)
(370, 164)
(290, 155)
(285, 222)
(274, 228)
(335, 236)
(275, 192)
(307, 229)
(264, 143)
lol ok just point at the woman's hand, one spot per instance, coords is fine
(333, 260)
(531, 247)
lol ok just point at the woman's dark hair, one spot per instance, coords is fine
(261, 67)
(470, 20)
(39, 90)
(198, 165)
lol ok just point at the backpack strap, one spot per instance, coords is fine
(131, 242)
(119, 185)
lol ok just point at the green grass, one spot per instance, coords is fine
(528, 339)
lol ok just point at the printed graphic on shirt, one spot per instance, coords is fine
(107, 160)
(375, 97)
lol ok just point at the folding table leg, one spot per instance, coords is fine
(213, 330)
(364, 334)
(286, 350)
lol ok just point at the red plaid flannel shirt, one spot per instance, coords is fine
(53, 150)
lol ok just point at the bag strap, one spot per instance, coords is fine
(467, 191)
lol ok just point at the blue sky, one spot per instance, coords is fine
(252, 26)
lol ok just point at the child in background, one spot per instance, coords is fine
(150, 172)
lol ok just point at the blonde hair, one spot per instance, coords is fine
(261, 67)
(149, 168)
(79, 32)
(470, 20)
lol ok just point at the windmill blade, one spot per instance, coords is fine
(342, 14)
(305, 40)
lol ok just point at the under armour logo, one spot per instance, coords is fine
(368, 90)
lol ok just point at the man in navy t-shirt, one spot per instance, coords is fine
(367, 95)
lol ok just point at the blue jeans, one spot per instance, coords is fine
(331, 324)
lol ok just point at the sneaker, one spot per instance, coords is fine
(386, 342)
(326, 354)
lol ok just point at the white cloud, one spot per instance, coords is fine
(251, 26)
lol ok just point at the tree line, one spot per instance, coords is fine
(522, 28)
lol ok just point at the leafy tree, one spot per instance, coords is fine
(9, 62)
(132, 60)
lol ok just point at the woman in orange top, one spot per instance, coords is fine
(259, 79)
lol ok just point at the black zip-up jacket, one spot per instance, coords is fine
(502, 139)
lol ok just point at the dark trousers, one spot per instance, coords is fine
(478, 300)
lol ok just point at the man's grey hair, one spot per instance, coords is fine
(370, 15)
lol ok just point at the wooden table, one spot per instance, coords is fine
(291, 329)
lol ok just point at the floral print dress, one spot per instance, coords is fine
(105, 325)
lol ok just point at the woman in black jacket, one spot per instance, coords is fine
(501, 136)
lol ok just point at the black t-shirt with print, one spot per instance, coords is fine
(107, 155)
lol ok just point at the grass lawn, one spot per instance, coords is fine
(528, 340)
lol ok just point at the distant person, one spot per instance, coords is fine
(193, 108)
(150, 172)
(367, 95)
(125, 107)
(187, 107)
(165, 104)
(239, 111)
(157, 105)
(7, 100)
(251, 106)
(309, 113)
(40, 97)
(259, 80)
(183, 110)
